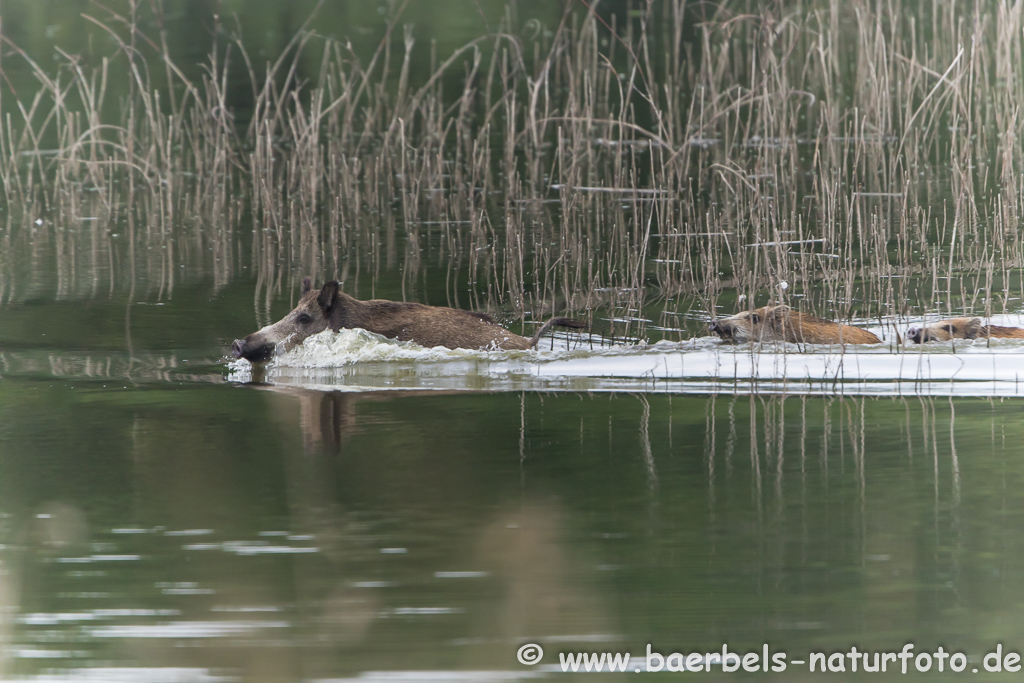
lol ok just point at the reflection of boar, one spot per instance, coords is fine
(426, 325)
(961, 328)
(781, 323)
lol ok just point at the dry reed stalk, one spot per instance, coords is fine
(668, 165)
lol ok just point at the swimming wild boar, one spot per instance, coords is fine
(783, 324)
(962, 328)
(428, 326)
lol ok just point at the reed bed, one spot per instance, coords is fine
(856, 159)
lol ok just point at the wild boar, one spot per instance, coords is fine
(961, 328)
(781, 323)
(427, 326)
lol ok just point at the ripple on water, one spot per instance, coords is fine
(32, 653)
(185, 629)
(55, 618)
(97, 558)
(127, 675)
(252, 548)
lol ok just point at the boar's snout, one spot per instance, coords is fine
(254, 353)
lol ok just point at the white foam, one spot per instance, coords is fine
(346, 347)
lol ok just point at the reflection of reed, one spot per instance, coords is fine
(142, 367)
(854, 488)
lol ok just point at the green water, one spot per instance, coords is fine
(160, 522)
(267, 534)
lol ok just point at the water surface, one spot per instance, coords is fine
(266, 533)
(362, 509)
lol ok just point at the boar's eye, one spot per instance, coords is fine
(755, 318)
(303, 319)
(951, 329)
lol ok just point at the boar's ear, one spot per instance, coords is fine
(328, 297)
(778, 316)
(307, 285)
(972, 329)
